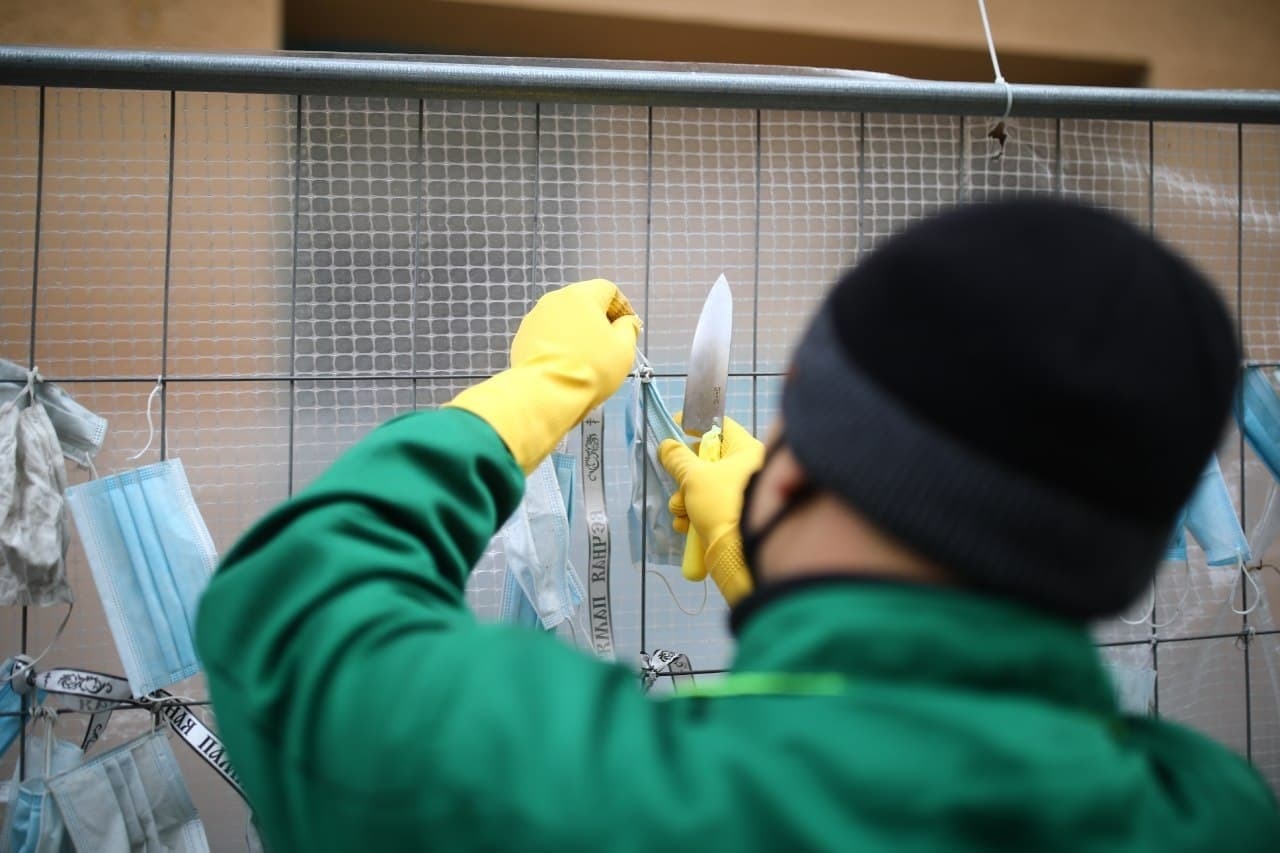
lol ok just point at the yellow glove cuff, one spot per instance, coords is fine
(529, 410)
(728, 568)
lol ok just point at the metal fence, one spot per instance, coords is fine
(297, 248)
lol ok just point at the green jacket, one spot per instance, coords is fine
(365, 709)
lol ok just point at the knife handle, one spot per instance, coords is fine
(694, 565)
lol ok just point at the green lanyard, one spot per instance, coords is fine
(768, 684)
(817, 684)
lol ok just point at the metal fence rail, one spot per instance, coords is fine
(299, 247)
(610, 83)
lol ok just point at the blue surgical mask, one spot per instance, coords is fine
(130, 798)
(516, 607)
(33, 823)
(151, 557)
(11, 707)
(536, 542)
(566, 467)
(1258, 415)
(651, 486)
(1212, 520)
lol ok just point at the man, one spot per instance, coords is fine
(986, 435)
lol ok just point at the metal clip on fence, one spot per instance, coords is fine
(674, 664)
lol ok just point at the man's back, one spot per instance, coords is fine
(962, 723)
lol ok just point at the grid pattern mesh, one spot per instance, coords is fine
(299, 270)
(357, 219)
(911, 167)
(19, 164)
(476, 258)
(808, 229)
(1260, 260)
(103, 228)
(704, 186)
(231, 261)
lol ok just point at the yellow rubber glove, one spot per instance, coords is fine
(570, 354)
(710, 498)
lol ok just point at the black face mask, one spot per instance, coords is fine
(753, 540)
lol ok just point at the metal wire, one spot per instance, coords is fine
(1244, 506)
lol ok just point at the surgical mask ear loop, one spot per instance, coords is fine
(151, 426)
(1182, 600)
(1257, 589)
(642, 365)
(1147, 611)
(1151, 606)
(33, 378)
(702, 605)
(50, 718)
(28, 668)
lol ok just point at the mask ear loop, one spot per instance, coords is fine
(702, 605)
(1147, 611)
(33, 379)
(151, 425)
(1182, 600)
(1151, 606)
(50, 718)
(642, 365)
(1257, 590)
(50, 722)
(27, 670)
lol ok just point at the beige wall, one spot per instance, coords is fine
(1166, 43)
(192, 24)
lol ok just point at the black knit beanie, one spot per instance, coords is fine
(1024, 392)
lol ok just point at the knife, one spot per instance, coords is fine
(704, 395)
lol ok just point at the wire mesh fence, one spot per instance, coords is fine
(295, 269)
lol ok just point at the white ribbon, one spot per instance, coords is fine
(98, 694)
(598, 603)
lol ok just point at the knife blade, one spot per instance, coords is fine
(705, 389)
(704, 396)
